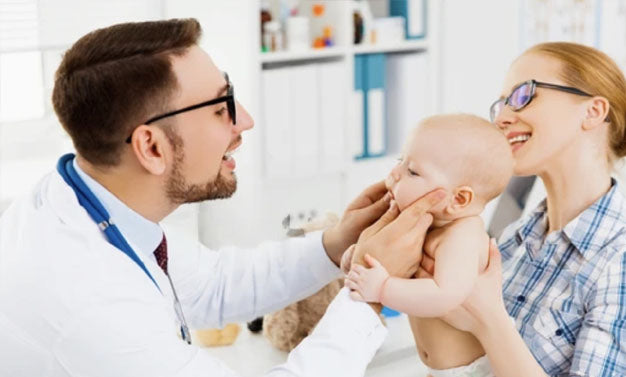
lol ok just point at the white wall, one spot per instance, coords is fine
(479, 40)
(227, 27)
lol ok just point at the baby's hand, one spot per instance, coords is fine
(366, 284)
(346, 260)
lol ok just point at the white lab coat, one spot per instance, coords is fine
(73, 305)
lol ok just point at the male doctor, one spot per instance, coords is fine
(89, 283)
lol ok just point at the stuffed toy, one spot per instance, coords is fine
(286, 328)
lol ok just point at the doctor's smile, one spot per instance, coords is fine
(495, 246)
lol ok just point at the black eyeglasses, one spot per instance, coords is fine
(229, 98)
(524, 93)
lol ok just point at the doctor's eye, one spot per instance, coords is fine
(221, 111)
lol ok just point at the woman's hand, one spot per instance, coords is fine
(484, 302)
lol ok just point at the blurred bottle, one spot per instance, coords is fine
(273, 36)
(266, 16)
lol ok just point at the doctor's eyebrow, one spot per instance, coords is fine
(221, 91)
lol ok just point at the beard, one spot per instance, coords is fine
(179, 191)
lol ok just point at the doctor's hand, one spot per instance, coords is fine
(396, 239)
(361, 213)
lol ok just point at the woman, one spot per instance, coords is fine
(562, 270)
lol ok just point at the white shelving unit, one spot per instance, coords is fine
(329, 191)
(341, 52)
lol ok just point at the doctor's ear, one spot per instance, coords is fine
(597, 113)
(149, 145)
(462, 197)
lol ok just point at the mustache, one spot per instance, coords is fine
(235, 142)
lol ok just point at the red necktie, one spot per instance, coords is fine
(161, 254)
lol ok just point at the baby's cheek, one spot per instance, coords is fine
(404, 196)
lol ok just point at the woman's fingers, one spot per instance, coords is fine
(495, 259)
(428, 264)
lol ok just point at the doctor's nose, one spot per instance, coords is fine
(244, 120)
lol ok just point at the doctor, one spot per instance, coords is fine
(89, 283)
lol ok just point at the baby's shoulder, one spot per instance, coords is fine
(472, 225)
(468, 231)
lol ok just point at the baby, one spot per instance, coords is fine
(469, 158)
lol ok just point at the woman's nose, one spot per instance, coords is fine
(505, 118)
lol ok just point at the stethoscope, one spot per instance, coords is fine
(96, 211)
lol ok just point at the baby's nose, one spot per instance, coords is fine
(391, 180)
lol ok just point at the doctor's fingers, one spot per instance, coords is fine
(407, 230)
(423, 204)
(389, 216)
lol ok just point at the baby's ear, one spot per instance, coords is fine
(463, 196)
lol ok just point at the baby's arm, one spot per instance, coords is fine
(456, 269)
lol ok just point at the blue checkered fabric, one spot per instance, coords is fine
(567, 289)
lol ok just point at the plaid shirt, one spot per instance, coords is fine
(567, 289)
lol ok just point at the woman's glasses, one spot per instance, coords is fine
(524, 93)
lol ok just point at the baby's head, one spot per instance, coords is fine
(464, 154)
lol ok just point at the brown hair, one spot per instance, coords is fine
(113, 79)
(596, 73)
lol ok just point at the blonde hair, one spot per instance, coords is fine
(478, 154)
(596, 73)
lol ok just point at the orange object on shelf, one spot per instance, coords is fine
(319, 43)
(318, 10)
(328, 32)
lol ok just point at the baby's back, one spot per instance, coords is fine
(441, 346)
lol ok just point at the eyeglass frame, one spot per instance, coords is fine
(229, 98)
(534, 84)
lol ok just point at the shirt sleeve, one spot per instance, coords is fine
(128, 338)
(234, 285)
(600, 349)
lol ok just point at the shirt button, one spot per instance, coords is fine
(521, 298)
(558, 332)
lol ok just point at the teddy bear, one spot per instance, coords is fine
(286, 328)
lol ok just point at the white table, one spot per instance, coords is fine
(252, 354)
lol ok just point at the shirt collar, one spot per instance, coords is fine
(598, 224)
(593, 228)
(140, 232)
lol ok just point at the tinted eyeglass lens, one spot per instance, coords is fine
(520, 97)
(495, 109)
